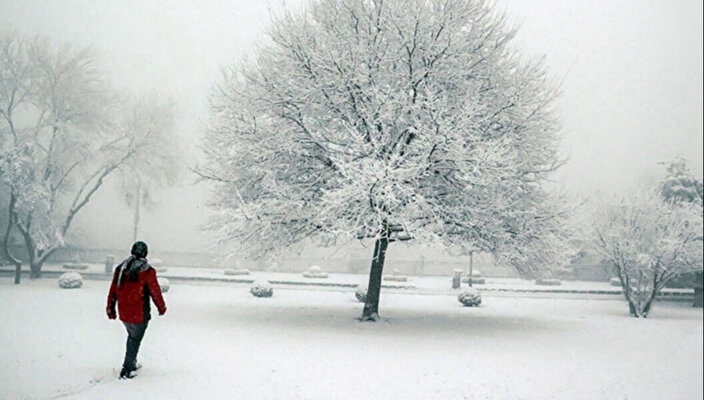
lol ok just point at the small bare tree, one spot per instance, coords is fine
(650, 242)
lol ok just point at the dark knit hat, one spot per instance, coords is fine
(139, 249)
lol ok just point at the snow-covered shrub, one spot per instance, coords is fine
(262, 289)
(164, 284)
(315, 272)
(230, 271)
(470, 297)
(615, 281)
(76, 266)
(361, 293)
(70, 280)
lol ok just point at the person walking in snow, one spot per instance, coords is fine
(133, 283)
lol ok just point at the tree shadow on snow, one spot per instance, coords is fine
(321, 318)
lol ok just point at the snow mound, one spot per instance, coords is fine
(361, 293)
(262, 289)
(164, 284)
(70, 280)
(615, 282)
(470, 297)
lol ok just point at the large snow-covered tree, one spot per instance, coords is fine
(63, 132)
(650, 242)
(389, 120)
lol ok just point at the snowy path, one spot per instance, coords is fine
(221, 343)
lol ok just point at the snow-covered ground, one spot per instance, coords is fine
(219, 342)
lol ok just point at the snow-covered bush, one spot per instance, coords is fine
(361, 293)
(315, 272)
(470, 297)
(230, 271)
(164, 284)
(70, 280)
(262, 289)
(615, 281)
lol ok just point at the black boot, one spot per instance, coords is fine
(126, 373)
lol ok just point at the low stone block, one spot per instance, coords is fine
(315, 272)
(230, 271)
(396, 278)
(72, 266)
(548, 282)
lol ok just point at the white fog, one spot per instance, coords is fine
(540, 196)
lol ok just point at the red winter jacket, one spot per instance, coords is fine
(133, 283)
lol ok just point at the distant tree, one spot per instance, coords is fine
(650, 242)
(143, 176)
(680, 185)
(63, 134)
(390, 120)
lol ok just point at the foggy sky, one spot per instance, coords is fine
(630, 73)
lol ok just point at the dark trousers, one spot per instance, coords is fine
(135, 333)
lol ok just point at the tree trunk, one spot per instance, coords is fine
(18, 273)
(6, 241)
(35, 271)
(471, 268)
(371, 305)
(632, 309)
(646, 309)
(698, 299)
(138, 200)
